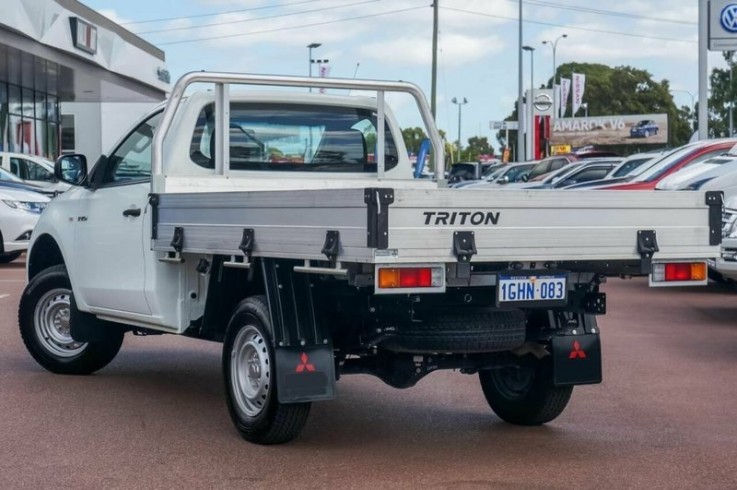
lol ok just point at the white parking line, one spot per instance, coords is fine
(4, 296)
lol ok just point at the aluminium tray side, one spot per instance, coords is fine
(548, 225)
(508, 226)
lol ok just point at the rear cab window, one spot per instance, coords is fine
(294, 137)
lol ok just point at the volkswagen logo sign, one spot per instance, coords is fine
(542, 102)
(728, 18)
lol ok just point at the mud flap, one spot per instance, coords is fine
(576, 359)
(305, 374)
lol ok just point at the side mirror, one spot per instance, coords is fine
(524, 178)
(503, 180)
(71, 169)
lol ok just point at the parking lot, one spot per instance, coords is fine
(156, 417)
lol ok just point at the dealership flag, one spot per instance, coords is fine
(579, 82)
(324, 73)
(565, 89)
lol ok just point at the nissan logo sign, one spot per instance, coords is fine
(542, 102)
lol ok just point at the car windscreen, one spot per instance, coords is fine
(560, 173)
(629, 167)
(657, 167)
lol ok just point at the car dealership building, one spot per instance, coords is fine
(70, 78)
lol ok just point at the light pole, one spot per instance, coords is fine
(730, 94)
(554, 45)
(693, 105)
(531, 50)
(585, 106)
(520, 114)
(310, 47)
(460, 104)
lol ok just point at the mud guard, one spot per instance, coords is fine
(305, 365)
(576, 359)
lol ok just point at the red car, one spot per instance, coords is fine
(673, 162)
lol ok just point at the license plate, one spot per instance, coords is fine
(535, 290)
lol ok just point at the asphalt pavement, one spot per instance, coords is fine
(664, 417)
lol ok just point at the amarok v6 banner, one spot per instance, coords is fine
(610, 130)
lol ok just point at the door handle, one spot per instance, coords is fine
(132, 212)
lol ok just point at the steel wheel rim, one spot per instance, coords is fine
(51, 322)
(513, 382)
(250, 371)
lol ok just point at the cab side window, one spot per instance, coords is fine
(18, 168)
(131, 161)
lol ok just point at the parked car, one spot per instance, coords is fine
(33, 170)
(574, 173)
(8, 180)
(644, 129)
(469, 171)
(548, 165)
(682, 157)
(19, 211)
(627, 170)
(631, 163)
(546, 180)
(726, 183)
(507, 174)
(696, 175)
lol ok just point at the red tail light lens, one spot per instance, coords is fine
(678, 272)
(410, 277)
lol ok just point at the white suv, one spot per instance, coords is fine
(19, 212)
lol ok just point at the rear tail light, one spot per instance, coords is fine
(678, 273)
(410, 278)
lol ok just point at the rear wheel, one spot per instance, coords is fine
(43, 316)
(525, 394)
(9, 257)
(250, 379)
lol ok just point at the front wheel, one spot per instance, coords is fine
(525, 394)
(250, 379)
(43, 316)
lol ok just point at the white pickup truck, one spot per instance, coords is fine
(288, 226)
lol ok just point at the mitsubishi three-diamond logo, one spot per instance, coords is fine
(728, 18)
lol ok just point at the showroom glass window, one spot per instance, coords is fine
(29, 104)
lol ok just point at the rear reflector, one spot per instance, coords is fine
(398, 278)
(679, 272)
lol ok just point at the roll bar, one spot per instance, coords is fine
(222, 82)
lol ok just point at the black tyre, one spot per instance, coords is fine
(6, 258)
(43, 316)
(250, 379)
(525, 394)
(473, 330)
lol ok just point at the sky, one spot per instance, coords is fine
(392, 40)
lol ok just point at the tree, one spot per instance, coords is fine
(476, 146)
(623, 90)
(413, 138)
(721, 98)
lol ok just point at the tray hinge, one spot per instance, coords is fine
(153, 200)
(715, 200)
(331, 248)
(177, 243)
(464, 245)
(647, 245)
(377, 224)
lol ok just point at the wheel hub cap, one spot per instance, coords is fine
(51, 321)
